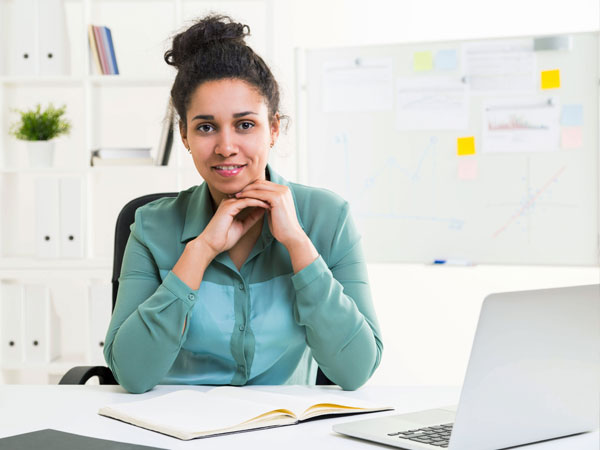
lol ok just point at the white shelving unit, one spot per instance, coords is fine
(105, 110)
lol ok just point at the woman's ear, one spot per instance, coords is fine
(183, 133)
(275, 127)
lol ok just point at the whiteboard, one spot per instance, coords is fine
(393, 129)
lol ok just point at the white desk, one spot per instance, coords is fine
(73, 409)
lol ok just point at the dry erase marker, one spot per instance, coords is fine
(453, 262)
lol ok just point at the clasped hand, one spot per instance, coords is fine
(236, 215)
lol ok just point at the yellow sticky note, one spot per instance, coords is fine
(465, 146)
(422, 61)
(551, 79)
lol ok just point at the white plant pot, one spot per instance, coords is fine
(41, 153)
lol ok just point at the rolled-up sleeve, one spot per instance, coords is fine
(146, 330)
(333, 303)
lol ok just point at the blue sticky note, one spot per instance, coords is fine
(572, 115)
(446, 60)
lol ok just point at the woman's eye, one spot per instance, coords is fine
(246, 125)
(205, 128)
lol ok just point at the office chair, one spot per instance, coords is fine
(81, 374)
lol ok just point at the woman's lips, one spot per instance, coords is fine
(228, 170)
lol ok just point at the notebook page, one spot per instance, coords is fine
(186, 411)
(298, 403)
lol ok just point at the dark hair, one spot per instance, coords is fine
(214, 49)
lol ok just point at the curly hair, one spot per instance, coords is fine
(214, 49)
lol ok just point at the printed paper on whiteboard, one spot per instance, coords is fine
(500, 66)
(521, 125)
(362, 84)
(431, 103)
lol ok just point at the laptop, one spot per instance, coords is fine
(533, 375)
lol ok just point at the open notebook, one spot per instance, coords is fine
(189, 414)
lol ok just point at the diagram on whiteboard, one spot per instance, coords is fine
(386, 185)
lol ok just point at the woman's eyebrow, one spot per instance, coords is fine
(211, 117)
(242, 114)
(203, 117)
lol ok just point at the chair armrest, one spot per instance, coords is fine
(81, 374)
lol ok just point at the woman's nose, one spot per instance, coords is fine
(225, 145)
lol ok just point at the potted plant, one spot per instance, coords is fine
(38, 128)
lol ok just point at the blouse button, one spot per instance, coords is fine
(191, 296)
(241, 327)
(241, 286)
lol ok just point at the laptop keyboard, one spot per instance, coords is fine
(438, 435)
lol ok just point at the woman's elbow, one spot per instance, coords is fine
(133, 385)
(136, 388)
(131, 382)
(355, 376)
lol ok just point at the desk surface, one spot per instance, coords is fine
(73, 409)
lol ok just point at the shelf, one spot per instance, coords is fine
(126, 80)
(78, 81)
(135, 167)
(87, 169)
(56, 367)
(16, 264)
(44, 171)
(58, 81)
(130, 1)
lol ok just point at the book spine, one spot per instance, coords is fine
(168, 146)
(98, 35)
(106, 44)
(94, 49)
(113, 55)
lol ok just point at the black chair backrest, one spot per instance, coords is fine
(122, 230)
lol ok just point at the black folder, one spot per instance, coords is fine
(59, 440)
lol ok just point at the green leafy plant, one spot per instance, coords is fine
(38, 125)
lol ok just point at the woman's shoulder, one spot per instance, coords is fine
(310, 196)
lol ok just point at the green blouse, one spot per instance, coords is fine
(261, 324)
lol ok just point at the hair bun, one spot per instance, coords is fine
(210, 30)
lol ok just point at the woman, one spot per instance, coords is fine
(247, 278)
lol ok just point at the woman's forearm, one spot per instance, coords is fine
(193, 262)
(302, 253)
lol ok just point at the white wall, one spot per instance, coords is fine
(428, 314)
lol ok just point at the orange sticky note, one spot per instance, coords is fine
(551, 79)
(465, 146)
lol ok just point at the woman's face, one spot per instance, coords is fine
(229, 135)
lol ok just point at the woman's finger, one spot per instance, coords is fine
(254, 216)
(263, 185)
(261, 195)
(234, 206)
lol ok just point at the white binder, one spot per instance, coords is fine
(47, 217)
(41, 325)
(99, 313)
(11, 321)
(24, 39)
(71, 218)
(54, 55)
